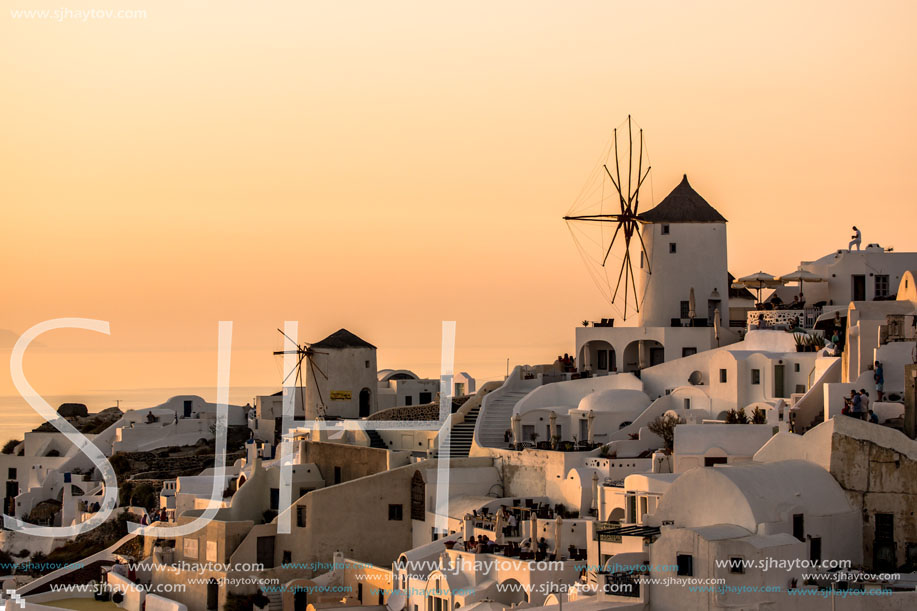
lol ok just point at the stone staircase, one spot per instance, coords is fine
(275, 598)
(461, 436)
(375, 440)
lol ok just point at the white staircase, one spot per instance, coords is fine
(497, 409)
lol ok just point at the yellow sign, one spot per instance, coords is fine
(340, 395)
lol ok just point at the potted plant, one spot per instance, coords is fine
(800, 340)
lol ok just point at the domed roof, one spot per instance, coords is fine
(615, 400)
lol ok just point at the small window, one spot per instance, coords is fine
(394, 512)
(672, 247)
(665, 230)
(688, 351)
(755, 376)
(687, 402)
(641, 259)
(796, 367)
(367, 364)
(409, 400)
(723, 376)
(736, 565)
(287, 557)
(881, 286)
(710, 461)
(337, 475)
(11, 473)
(275, 498)
(685, 564)
(301, 516)
(685, 309)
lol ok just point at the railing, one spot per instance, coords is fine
(804, 316)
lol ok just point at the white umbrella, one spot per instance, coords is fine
(498, 527)
(534, 538)
(558, 532)
(800, 276)
(716, 325)
(590, 418)
(758, 281)
(595, 490)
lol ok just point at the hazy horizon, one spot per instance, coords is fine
(387, 166)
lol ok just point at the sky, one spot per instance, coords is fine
(387, 165)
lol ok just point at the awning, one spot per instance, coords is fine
(631, 531)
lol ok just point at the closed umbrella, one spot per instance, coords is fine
(553, 427)
(498, 527)
(716, 325)
(534, 537)
(692, 311)
(595, 490)
(590, 429)
(515, 427)
(558, 532)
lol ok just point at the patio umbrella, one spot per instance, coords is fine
(498, 527)
(516, 436)
(558, 532)
(800, 276)
(758, 281)
(595, 490)
(716, 325)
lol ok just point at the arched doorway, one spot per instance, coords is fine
(598, 356)
(643, 353)
(365, 400)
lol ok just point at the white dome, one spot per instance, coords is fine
(615, 401)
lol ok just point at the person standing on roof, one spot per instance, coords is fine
(855, 239)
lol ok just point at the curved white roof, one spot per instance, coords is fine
(750, 495)
(615, 400)
(733, 439)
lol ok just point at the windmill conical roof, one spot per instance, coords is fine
(342, 338)
(683, 205)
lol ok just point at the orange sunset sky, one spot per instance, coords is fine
(386, 165)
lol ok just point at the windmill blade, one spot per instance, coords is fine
(630, 266)
(618, 169)
(639, 167)
(318, 389)
(292, 341)
(613, 238)
(646, 255)
(623, 266)
(630, 158)
(620, 274)
(296, 368)
(617, 188)
(317, 368)
(636, 196)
